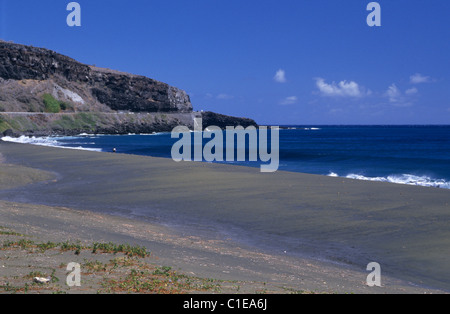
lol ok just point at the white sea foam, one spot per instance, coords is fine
(87, 134)
(408, 179)
(44, 141)
(153, 134)
(306, 129)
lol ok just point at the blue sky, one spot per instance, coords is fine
(279, 62)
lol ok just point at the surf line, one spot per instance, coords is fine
(234, 147)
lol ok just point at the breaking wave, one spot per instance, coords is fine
(45, 141)
(408, 179)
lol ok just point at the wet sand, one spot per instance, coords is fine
(292, 231)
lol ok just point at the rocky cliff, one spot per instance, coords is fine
(43, 92)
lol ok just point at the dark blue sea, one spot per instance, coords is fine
(416, 155)
(407, 241)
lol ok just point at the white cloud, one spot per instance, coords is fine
(411, 91)
(398, 98)
(289, 100)
(342, 89)
(419, 78)
(280, 76)
(393, 93)
(224, 96)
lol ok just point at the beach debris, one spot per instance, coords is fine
(42, 280)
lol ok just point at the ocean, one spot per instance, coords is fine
(415, 155)
(402, 228)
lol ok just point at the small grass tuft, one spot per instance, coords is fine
(126, 249)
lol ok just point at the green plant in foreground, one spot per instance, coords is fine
(34, 274)
(67, 246)
(6, 232)
(120, 248)
(165, 270)
(97, 247)
(46, 246)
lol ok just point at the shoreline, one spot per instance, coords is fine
(233, 268)
(407, 177)
(295, 270)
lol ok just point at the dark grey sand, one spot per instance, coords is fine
(288, 230)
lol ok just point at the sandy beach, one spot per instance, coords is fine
(240, 230)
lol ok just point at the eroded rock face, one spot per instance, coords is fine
(116, 90)
(123, 92)
(91, 99)
(19, 62)
(222, 121)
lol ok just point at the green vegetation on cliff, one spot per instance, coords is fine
(74, 123)
(4, 125)
(53, 105)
